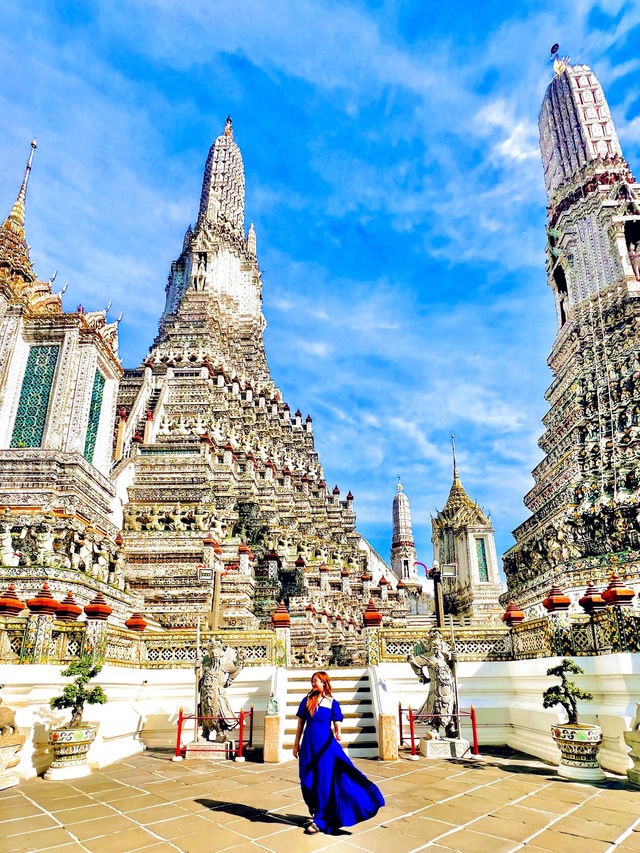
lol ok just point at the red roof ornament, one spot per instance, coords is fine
(383, 581)
(119, 540)
(336, 490)
(308, 419)
(615, 593)
(556, 601)
(371, 616)
(98, 609)
(44, 602)
(345, 573)
(68, 610)
(400, 585)
(349, 497)
(366, 576)
(592, 600)
(10, 604)
(300, 563)
(298, 414)
(323, 567)
(137, 438)
(135, 622)
(280, 617)
(513, 615)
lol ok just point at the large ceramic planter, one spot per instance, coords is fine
(578, 747)
(69, 748)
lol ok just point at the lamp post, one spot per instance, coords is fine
(436, 573)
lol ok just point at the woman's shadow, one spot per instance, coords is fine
(256, 815)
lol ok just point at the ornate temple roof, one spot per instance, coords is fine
(223, 184)
(459, 510)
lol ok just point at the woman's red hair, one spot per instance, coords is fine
(313, 697)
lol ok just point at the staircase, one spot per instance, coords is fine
(352, 689)
(150, 407)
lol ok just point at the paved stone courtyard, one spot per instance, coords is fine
(504, 802)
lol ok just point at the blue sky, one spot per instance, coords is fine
(394, 180)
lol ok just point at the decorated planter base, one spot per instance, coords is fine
(578, 747)
(69, 748)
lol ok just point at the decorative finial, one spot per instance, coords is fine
(399, 485)
(228, 129)
(559, 64)
(453, 450)
(16, 217)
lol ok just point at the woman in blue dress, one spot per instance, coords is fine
(336, 793)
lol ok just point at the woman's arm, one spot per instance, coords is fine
(336, 729)
(296, 743)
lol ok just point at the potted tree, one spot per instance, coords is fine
(70, 744)
(578, 743)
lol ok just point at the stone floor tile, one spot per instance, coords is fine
(468, 841)
(22, 809)
(561, 842)
(568, 792)
(590, 829)
(99, 826)
(29, 842)
(76, 814)
(384, 840)
(295, 841)
(259, 828)
(589, 811)
(541, 803)
(422, 828)
(20, 825)
(456, 812)
(140, 801)
(179, 826)
(154, 813)
(66, 848)
(530, 817)
(502, 827)
(122, 842)
(202, 842)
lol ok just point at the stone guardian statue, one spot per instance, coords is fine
(220, 666)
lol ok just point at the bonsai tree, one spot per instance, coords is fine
(566, 693)
(76, 694)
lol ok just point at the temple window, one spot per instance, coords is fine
(33, 406)
(481, 551)
(563, 293)
(94, 416)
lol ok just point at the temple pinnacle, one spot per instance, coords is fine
(15, 220)
(453, 451)
(228, 128)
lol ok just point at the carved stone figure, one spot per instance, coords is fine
(220, 667)
(441, 699)
(8, 557)
(634, 258)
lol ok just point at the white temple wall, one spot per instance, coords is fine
(507, 696)
(142, 708)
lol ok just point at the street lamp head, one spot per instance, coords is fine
(435, 565)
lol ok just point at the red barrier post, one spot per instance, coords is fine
(413, 739)
(178, 753)
(251, 726)
(239, 753)
(400, 723)
(474, 729)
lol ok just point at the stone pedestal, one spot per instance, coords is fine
(10, 747)
(388, 737)
(444, 747)
(632, 739)
(203, 750)
(271, 740)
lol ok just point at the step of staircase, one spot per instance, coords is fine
(352, 689)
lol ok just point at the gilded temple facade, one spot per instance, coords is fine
(584, 504)
(185, 487)
(462, 534)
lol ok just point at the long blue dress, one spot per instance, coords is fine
(336, 793)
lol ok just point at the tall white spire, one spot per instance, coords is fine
(223, 184)
(403, 552)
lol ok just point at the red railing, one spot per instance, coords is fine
(420, 718)
(244, 721)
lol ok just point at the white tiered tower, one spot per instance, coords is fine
(403, 551)
(584, 501)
